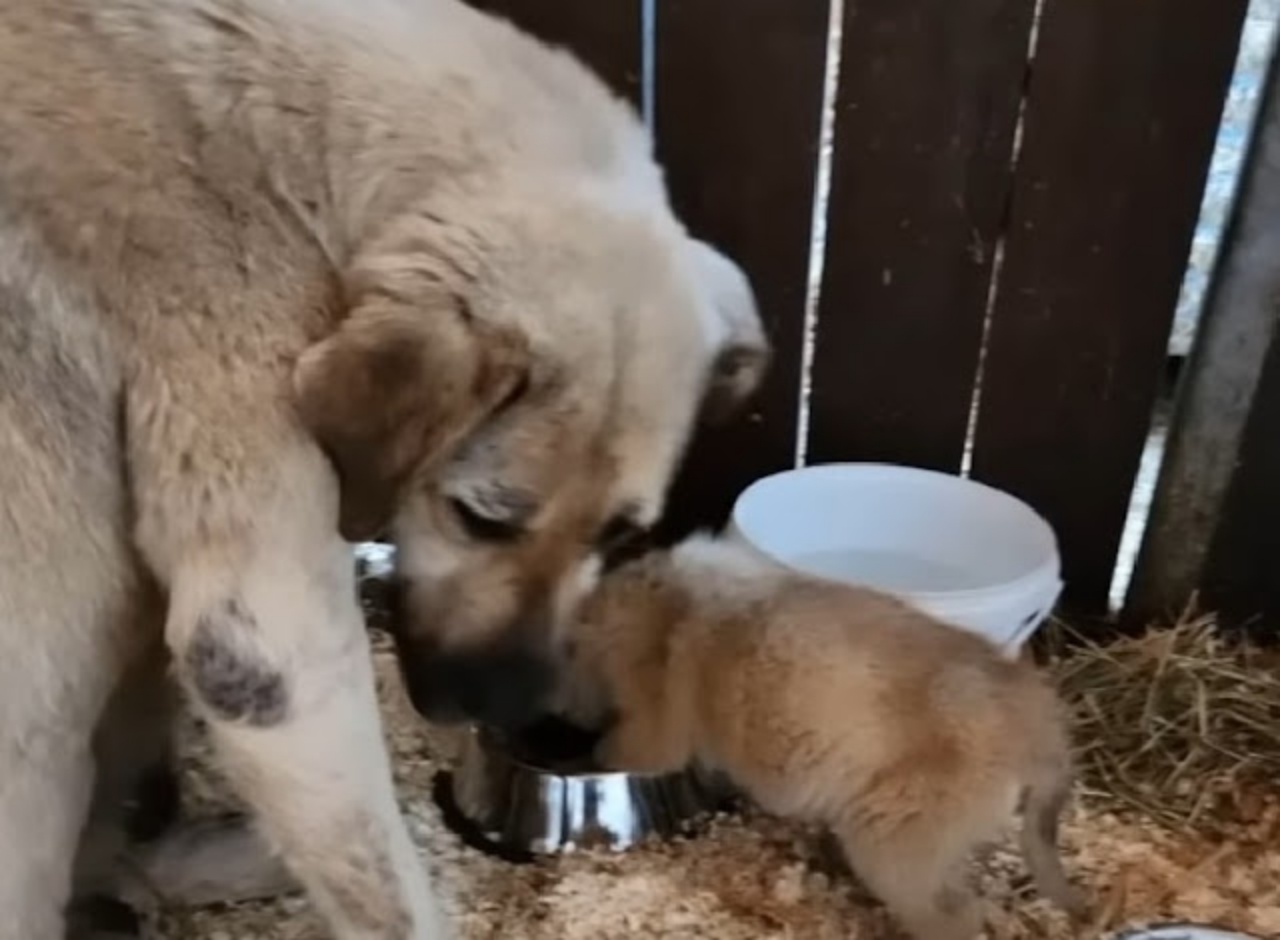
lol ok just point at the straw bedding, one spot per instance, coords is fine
(1179, 723)
(1152, 724)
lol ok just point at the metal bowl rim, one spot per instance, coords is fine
(1164, 930)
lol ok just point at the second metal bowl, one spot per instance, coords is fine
(1182, 931)
(552, 806)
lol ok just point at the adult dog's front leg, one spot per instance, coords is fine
(270, 644)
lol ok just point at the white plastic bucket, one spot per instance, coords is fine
(967, 553)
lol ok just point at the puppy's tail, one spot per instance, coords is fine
(1043, 802)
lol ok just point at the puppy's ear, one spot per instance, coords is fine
(743, 353)
(398, 385)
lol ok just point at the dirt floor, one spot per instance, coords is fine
(758, 878)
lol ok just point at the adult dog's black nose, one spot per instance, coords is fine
(504, 687)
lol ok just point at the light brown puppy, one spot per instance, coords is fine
(914, 741)
(278, 272)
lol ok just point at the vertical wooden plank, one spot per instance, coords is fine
(1218, 387)
(1242, 572)
(605, 34)
(925, 119)
(1123, 106)
(738, 89)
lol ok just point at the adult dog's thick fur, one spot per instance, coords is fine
(271, 270)
(914, 741)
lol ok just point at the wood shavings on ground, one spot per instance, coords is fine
(756, 878)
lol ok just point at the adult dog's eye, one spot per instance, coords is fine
(482, 528)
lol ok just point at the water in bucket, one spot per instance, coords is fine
(889, 571)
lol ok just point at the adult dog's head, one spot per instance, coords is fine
(509, 398)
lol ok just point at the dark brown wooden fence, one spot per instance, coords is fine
(1091, 207)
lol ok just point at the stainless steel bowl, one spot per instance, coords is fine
(1182, 931)
(518, 805)
(502, 800)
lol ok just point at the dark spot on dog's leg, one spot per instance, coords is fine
(98, 917)
(229, 675)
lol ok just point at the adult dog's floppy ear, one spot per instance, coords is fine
(743, 352)
(400, 384)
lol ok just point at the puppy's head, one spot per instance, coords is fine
(508, 400)
(617, 639)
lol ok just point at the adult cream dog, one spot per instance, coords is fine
(275, 272)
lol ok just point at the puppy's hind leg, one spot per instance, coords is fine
(1043, 804)
(919, 879)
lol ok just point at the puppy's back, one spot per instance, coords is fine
(911, 668)
(860, 679)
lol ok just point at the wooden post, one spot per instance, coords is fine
(1221, 387)
(1242, 572)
